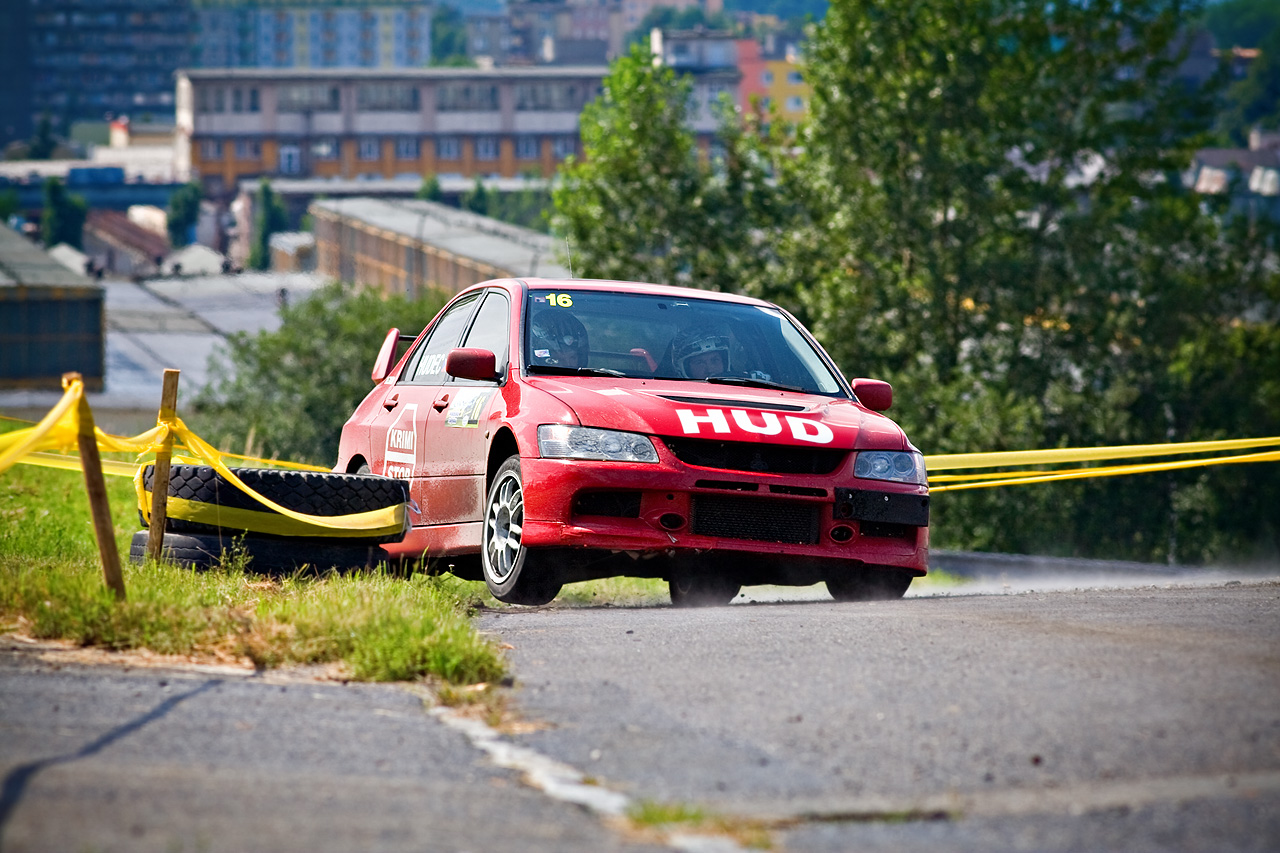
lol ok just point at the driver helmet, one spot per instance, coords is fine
(698, 340)
(558, 338)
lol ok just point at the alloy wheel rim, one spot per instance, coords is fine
(503, 527)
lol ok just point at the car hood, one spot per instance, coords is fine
(722, 412)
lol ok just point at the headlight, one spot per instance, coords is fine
(558, 441)
(890, 465)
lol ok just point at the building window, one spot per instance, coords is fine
(527, 148)
(550, 96)
(563, 146)
(248, 149)
(467, 97)
(324, 148)
(308, 98)
(795, 103)
(486, 148)
(237, 101)
(370, 148)
(447, 148)
(407, 148)
(290, 159)
(402, 97)
(210, 149)
(767, 78)
(253, 101)
(795, 78)
(219, 101)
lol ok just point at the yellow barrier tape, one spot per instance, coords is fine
(72, 463)
(265, 522)
(1026, 477)
(376, 522)
(952, 461)
(55, 431)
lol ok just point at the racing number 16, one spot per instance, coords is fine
(560, 300)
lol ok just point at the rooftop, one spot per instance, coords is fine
(518, 251)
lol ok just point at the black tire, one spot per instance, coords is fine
(513, 573)
(702, 590)
(266, 555)
(310, 492)
(870, 583)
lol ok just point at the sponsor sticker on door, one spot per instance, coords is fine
(401, 454)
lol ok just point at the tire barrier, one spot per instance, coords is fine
(202, 501)
(266, 555)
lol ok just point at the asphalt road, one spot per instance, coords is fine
(1120, 719)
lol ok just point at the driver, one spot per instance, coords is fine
(701, 351)
(558, 339)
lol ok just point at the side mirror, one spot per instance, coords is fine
(875, 394)
(472, 363)
(386, 356)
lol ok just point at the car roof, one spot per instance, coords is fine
(639, 287)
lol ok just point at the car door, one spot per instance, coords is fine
(409, 407)
(453, 456)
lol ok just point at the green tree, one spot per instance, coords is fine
(184, 212)
(289, 391)
(63, 217)
(1255, 100)
(43, 143)
(995, 223)
(449, 37)
(478, 199)
(1241, 23)
(430, 189)
(270, 216)
(9, 204)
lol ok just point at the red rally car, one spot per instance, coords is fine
(561, 431)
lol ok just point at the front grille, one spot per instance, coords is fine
(744, 456)
(792, 522)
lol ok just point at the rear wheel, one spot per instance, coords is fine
(702, 590)
(870, 583)
(514, 574)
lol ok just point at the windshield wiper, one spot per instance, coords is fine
(557, 370)
(752, 383)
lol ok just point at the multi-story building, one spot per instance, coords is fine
(312, 34)
(242, 123)
(635, 11)
(15, 71)
(561, 32)
(784, 82)
(89, 58)
(710, 59)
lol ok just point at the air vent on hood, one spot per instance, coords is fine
(739, 404)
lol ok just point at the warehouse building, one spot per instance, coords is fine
(411, 246)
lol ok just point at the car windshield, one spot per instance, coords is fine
(646, 336)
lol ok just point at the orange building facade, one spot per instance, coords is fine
(356, 123)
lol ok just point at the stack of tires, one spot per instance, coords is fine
(201, 544)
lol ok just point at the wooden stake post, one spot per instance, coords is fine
(99, 507)
(160, 474)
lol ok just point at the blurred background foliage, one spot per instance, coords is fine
(286, 393)
(984, 207)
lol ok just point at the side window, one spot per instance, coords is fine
(426, 367)
(492, 328)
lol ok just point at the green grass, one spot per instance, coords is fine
(669, 818)
(378, 626)
(616, 592)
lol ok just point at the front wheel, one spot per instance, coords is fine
(870, 583)
(512, 572)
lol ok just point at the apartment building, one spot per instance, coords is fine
(709, 58)
(302, 34)
(374, 123)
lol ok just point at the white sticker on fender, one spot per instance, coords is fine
(802, 429)
(401, 454)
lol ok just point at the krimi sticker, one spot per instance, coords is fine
(401, 454)
(758, 423)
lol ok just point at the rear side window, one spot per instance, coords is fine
(426, 365)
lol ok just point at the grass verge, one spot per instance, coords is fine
(377, 626)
